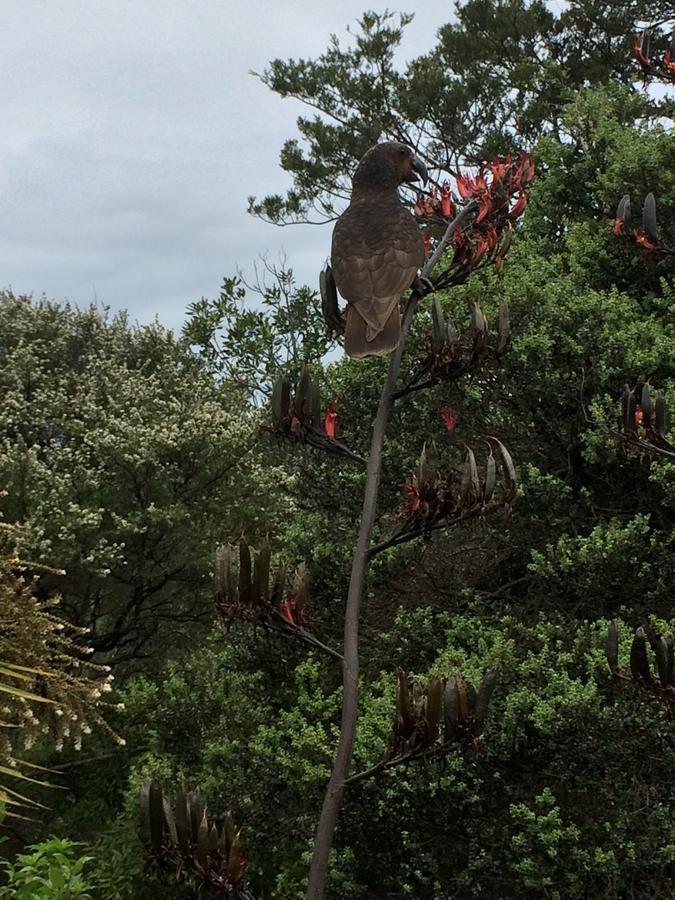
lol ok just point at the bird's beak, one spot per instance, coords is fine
(421, 169)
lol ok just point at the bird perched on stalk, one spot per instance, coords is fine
(377, 249)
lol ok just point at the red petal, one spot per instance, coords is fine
(330, 419)
(449, 419)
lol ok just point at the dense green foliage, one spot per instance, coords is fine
(51, 871)
(130, 454)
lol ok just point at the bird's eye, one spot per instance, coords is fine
(402, 151)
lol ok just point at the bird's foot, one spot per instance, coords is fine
(423, 286)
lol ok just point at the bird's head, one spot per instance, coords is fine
(389, 165)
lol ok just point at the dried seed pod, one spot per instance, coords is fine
(628, 410)
(660, 414)
(278, 585)
(329, 302)
(510, 477)
(169, 821)
(261, 574)
(639, 663)
(313, 405)
(479, 327)
(437, 326)
(202, 847)
(649, 218)
(196, 809)
(471, 698)
(670, 659)
(156, 815)
(661, 653)
(470, 486)
(623, 210)
(434, 708)
(301, 592)
(450, 709)
(463, 699)
(490, 477)
(281, 400)
(451, 334)
(646, 404)
(485, 691)
(302, 394)
(612, 647)
(182, 816)
(244, 572)
(144, 804)
(213, 837)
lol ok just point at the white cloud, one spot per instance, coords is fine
(132, 135)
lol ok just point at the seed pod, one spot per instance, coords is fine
(623, 210)
(471, 697)
(510, 477)
(639, 663)
(276, 406)
(329, 302)
(670, 658)
(646, 404)
(278, 585)
(196, 808)
(314, 406)
(660, 415)
(244, 572)
(612, 647)
(301, 592)
(649, 218)
(234, 866)
(182, 816)
(504, 333)
(479, 327)
(202, 848)
(463, 699)
(302, 395)
(628, 409)
(662, 661)
(261, 573)
(156, 815)
(437, 326)
(213, 837)
(490, 477)
(170, 821)
(451, 334)
(450, 709)
(144, 806)
(422, 466)
(485, 691)
(227, 835)
(404, 717)
(506, 242)
(434, 709)
(470, 487)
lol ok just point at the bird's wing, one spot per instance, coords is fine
(375, 256)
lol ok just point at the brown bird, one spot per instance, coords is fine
(377, 249)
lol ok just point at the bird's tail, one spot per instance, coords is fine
(360, 340)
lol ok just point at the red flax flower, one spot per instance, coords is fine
(413, 495)
(287, 611)
(330, 421)
(449, 419)
(499, 190)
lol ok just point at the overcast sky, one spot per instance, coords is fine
(132, 134)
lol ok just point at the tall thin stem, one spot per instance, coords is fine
(332, 803)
